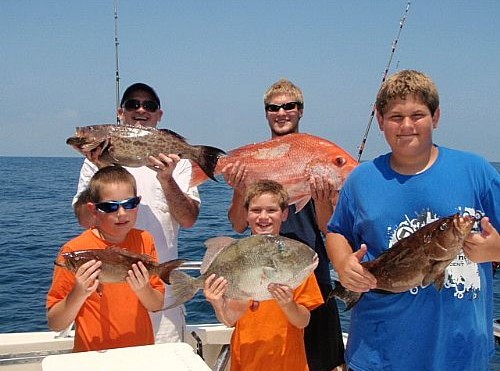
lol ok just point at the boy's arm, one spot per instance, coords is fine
(138, 279)
(63, 313)
(297, 314)
(346, 263)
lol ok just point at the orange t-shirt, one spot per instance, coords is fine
(113, 316)
(265, 340)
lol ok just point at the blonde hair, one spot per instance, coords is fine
(266, 186)
(106, 176)
(284, 86)
(408, 82)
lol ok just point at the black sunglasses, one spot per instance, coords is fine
(286, 106)
(113, 206)
(134, 104)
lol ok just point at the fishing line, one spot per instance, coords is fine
(393, 49)
(117, 71)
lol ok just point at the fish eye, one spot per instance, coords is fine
(339, 161)
(443, 227)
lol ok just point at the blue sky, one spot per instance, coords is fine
(211, 61)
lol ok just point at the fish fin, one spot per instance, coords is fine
(269, 272)
(350, 298)
(301, 202)
(182, 288)
(166, 268)
(439, 281)
(172, 133)
(207, 159)
(436, 274)
(198, 176)
(214, 246)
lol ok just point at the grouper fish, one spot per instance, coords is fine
(116, 263)
(128, 145)
(249, 264)
(419, 259)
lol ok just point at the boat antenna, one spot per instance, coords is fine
(394, 44)
(117, 71)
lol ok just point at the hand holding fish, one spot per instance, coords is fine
(353, 275)
(485, 246)
(86, 281)
(164, 165)
(94, 156)
(323, 188)
(138, 277)
(228, 311)
(297, 314)
(214, 289)
(235, 175)
(283, 294)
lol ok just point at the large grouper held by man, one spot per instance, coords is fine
(128, 145)
(417, 260)
(116, 263)
(249, 265)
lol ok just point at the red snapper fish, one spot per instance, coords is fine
(290, 160)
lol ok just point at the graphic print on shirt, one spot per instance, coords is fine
(462, 275)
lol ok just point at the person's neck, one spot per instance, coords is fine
(104, 237)
(414, 165)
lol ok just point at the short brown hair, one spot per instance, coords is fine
(266, 186)
(109, 175)
(408, 82)
(284, 86)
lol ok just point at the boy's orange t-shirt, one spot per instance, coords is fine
(113, 316)
(265, 340)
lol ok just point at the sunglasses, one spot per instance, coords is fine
(134, 104)
(113, 206)
(286, 106)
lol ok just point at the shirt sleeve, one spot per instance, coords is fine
(86, 172)
(308, 293)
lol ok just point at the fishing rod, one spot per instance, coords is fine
(393, 49)
(117, 71)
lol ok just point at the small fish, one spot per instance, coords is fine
(116, 263)
(289, 160)
(417, 260)
(249, 264)
(128, 145)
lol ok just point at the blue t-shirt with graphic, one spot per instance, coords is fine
(421, 329)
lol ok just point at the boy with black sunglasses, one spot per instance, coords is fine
(98, 310)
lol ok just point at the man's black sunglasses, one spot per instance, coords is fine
(286, 106)
(134, 104)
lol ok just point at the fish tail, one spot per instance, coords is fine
(164, 269)
(182, 288)
(350, 298)
(198, 176)
(207, 159)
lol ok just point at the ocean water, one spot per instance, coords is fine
(36, 219)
